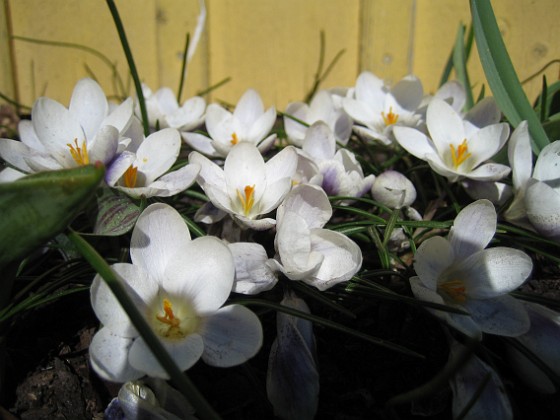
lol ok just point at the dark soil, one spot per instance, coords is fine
(48, 374)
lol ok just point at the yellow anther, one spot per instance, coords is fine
(169, 318)
(234, 140)
(247, 199)
(461, 154)
(79, 154)
(391, 118)
(130, 176)
(455, 289)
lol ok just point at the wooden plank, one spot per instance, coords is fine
(530, 34)
(273, 46)
(53, 71)
(386, 38)
(7, 84)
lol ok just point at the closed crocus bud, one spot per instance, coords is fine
(394, 190)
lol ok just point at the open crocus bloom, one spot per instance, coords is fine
(322, 108)
(58, 137)
(248, 123)
(379, 109)
(542, 198)
(179, 285)
(164, 110)
(306, 252)
(247, 187)
(140, 174)
(453, 149)
(459, 271)
(341, 173)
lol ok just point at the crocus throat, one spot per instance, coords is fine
(234, 140)
(455, 289)
(168, 317)
(130, 176)
(79, 154)
(461, 154)
(390, 118)
(247, 199)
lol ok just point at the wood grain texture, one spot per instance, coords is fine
(269, 45)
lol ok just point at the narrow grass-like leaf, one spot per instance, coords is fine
(460, 65)
(501, 75)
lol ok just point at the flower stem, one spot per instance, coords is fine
(179, 379)
(131, 65)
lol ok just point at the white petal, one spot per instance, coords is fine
(104, 147)
(503, 315)
(118, 167)
(262, 126)
(319, 142)
(342, 258)
(174, 182)
(157, 153)
(393, 189)
(520, 155)
(546, 167)
(56, 128)
(231, 336)
(294, 129)
(484, 113)
(445, 125)
(212, 180)
(219, 123)
(28, 136)
(121, 117)
(159, 234)
(184, 352)
(359, 111)
(489, 172)
(414, 142)
(543, 208)
(370, 89)
(310, 203)
(140, 287)
(433, 256)
(200, 143)
(252, 274)
(283, 165)
(88, 106)
(249, 108)
(244, 166)
(486, 142)
(408, 93)
(203, 272)
(493, 272)
(109, 357)
(473, 228)
(13, 152)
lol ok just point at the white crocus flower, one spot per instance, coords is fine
(307, 252)
(253, 274)
(542, 197)
(247, 187)
(179, 285)
(142, 173)
(459, 271)
(58, 137)
(249, 122)
(322, 107)
(341, 173)
(379, 109)
(164, 110)
(453, 150)
(393, 189)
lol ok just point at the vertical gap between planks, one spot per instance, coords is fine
(411, 38)
(11, 66)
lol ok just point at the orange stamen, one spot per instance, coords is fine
(130, 176)
(455, 289)
(391, 118)
(461, 154)
(234, 140)
(79, 154)
(248, 199)
(169, 318)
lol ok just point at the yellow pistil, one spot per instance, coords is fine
(461, 154)
(247, 198)
(234, 140)
(455, 289)
(168, 318)
(130, 176)
(391, 118)
(79, 154)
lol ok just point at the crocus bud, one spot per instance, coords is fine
(393, 189)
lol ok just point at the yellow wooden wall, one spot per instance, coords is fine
(269, 45)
